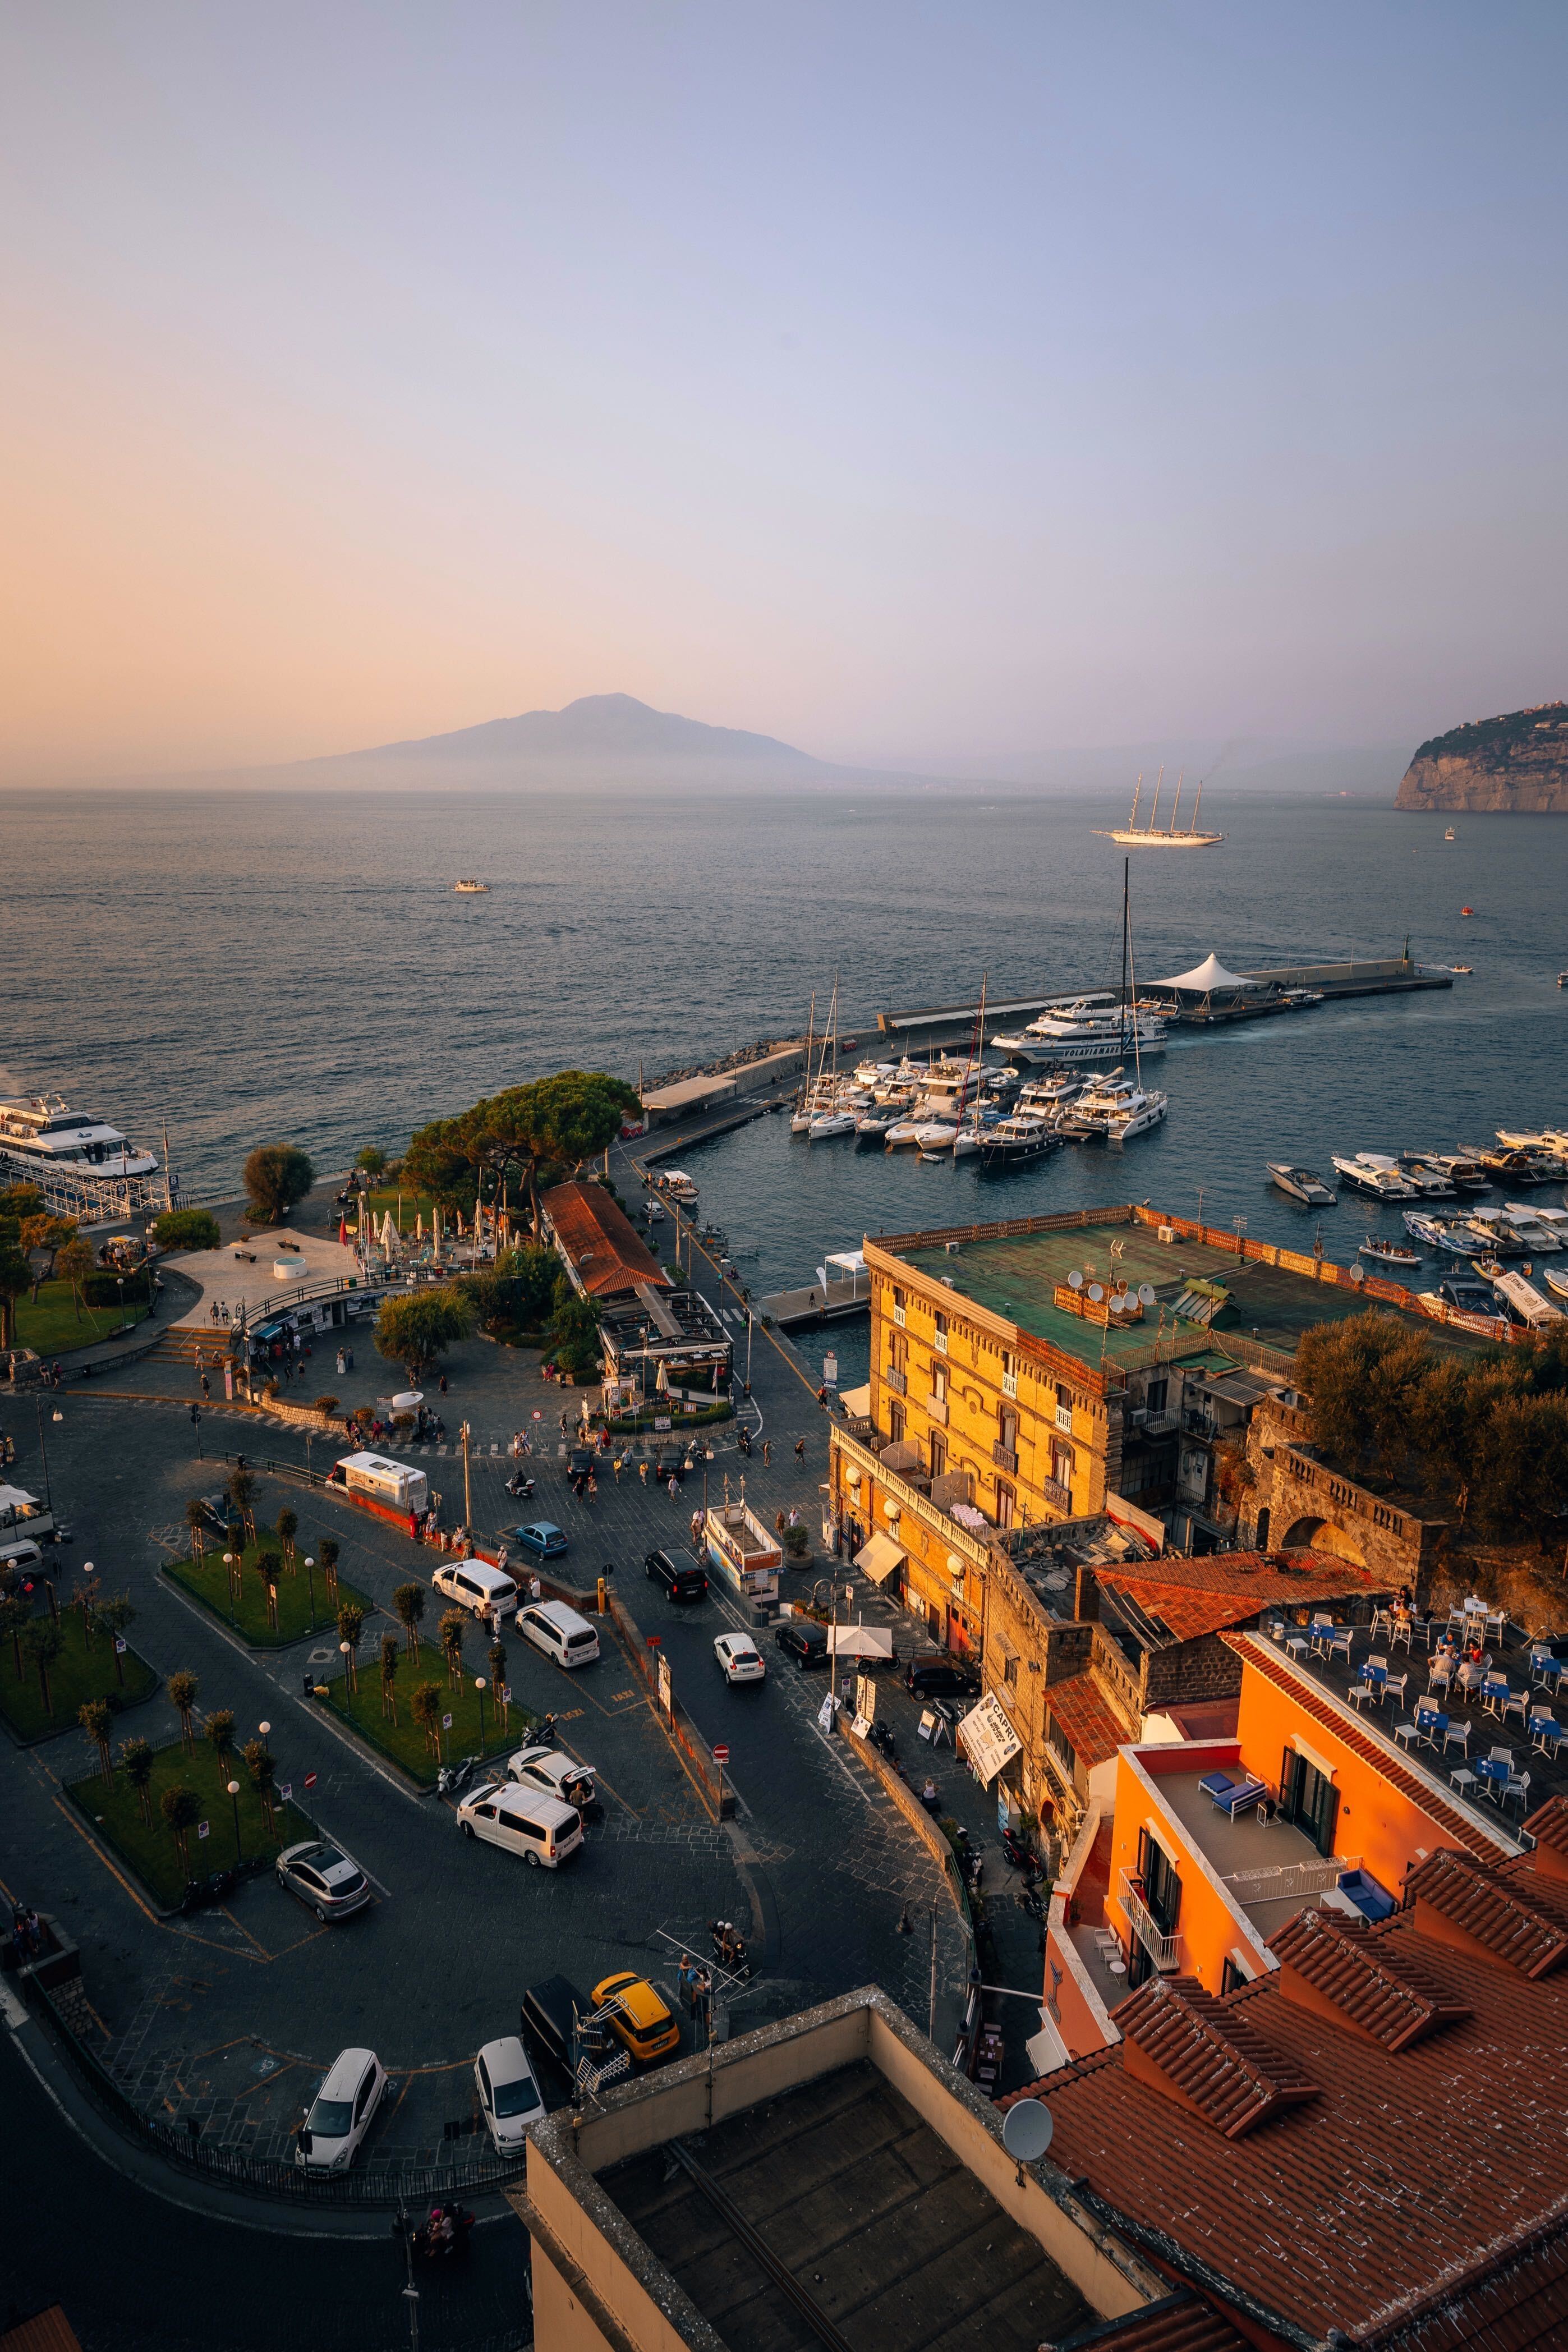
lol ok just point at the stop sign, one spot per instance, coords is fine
(721, 1755)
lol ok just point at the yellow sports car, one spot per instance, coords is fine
(641, 2018)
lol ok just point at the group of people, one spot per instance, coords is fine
(27, 1932)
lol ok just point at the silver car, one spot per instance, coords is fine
(324, 1878)
(342, 2111)
(508, 2095)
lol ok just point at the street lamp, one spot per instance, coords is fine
(310, 1588)
(229, 1570)
(347, 1651)
(479, 1685)
(120, 1286)
(234, 1799)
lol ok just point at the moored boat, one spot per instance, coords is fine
(1301, 1184)
(1388, 1252)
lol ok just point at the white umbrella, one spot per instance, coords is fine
(419, 1226)
(387, 1230)
(662, 1378)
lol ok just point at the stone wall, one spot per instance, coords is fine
(1309, 1506)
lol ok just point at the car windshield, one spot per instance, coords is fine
(330, 2118)
(518, 2098)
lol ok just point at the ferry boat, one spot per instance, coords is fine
(1014, 1141)
(1087, 1030)
(1135, 837)
(84, 1168)
(1301, 1184)
(470, 888)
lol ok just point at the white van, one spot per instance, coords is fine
(564, 1636)
(474, 1584)
(523, 1821)
(392, 1483)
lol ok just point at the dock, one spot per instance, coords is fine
(792, 1308)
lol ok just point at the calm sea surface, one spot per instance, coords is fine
(269, 966)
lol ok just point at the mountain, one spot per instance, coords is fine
(606, 733)
(1516, 763)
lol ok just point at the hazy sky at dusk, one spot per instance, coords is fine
(913, 381)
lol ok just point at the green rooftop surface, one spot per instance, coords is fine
(1017, 1276)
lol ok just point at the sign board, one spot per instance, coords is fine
(721, 1755)
(120, 1645)
(447, 1723)
(201, 1828)
(661, 1421)
(825, 1714)
(865, 1700)
(286, 1790)
(988, 1738)
(666, 1696)
(503, 1692)
(309, 1779)
(860, 1728)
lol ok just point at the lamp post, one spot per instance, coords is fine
(347, 1651)
(234, 1800)
(310, 1588)
(120, 1286)
(468, 1498)
(229, 1569)
(479, 1685)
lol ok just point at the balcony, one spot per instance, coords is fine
(937, 1408)
(1161, 1949)
(1058, 1495)
(1006, 1458)
(894, 1378)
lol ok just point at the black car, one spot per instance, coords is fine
(669, 1462)
(802, 1639)
(580, 1461)
(548, 2016)
(934, 1676)
(683, 1578)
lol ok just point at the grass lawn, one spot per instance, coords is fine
(404, 1742)
(151, 1852)
(53, 1326)
(78, 1673)
(208, 1580)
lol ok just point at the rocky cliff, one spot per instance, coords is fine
(1517, 761)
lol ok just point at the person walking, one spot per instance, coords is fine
(800, 1449)
(779, 1522)
(674, 1489)
(206, 1386)
(643, 1472)
(767, 1451)
(592, 1486)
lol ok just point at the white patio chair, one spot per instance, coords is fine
(1518, 1786)
(1457, 1735)
(1394, 1687)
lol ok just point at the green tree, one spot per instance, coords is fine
(15, 1616)
(21, 1201)
(181, 1809)
(115, 1612)
(196, 1520)
(574, 1335)
(220, 1727)
(351, 1626)
(417, 1328)
(15, 1266)
(517, 1293)
(451, 1629)
(371, 1159)
(262, 1767)
(43, 1237)
(241, 1487)
(425, 1709)
(389, 1657)
(328, 1558)
(136, 1763)
(187, 1229)
(75, 1265)
(503, 1141)
(276, 1175)
(183, 1691)
(287, 1528)
(409, 1602)
(41, 1640)
(96, 1717)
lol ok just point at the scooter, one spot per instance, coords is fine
(1019, 1855)
(453, 1779)
(881, 1738)
(1028, 1900)
(519, 1487)
(432, 2238)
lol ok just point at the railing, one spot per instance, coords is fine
(1289, 1880)
(1005, 1457)
(1160, 1948)
(894, 1378)
(1055, 1492)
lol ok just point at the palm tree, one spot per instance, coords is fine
(184, 1688)
(451, 1629)
(86, 1598)
(287, 1528)
(180, 1807)
(96, 1717)
(220, 1732)
(196, 1520)
(391, 1656)
(425, 1708)
(136, 1763)
(41, 1640)
(263, 1771)
(114, 1614)
(409, 1602)
(350, 1626)
(269, 1568)
(14, 1615)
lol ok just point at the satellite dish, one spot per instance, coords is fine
(1357, 1274)
(1096, 1291)
(1146, 1294)
(1027, 2128)
(1075, 1282)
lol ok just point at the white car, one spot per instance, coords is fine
(740, 1660)
(508, 2095)
(340, 2113)
(561, 1776)
(522, 1821)
(474, 1584)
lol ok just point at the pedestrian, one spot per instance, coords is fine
(443, 1384)
(349, 1353)
(800, 1449)
(592, 1486)
(696, 1526)
(767, 1451)
(687, 1982)
(778, 1523)
(674, 1489)
(643, 1472)
(413, 1526)
(619, 1465)
(794, 1516)
(206, 1386)
(563, 1422)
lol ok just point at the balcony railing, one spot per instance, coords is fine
(1288, 1881)
(1056, 1493)
(894, 1378)
(1160, 1948)
(1005, 1458)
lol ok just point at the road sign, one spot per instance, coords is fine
(201, 1828)
(665, 1695)
(287, 1790)
(120, 1645)
(309, 1779)
(447, 1723)
(721, 1755)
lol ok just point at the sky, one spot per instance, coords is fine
(924, 384)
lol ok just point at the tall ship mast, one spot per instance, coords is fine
(1154, 835)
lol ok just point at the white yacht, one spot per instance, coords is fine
(1051, 1094)
(1531, 1227)
(1114, 1110)
(85, 1168)
(1375, 1174)
(1014, 1141)
(1085, 1031)
(834, 1118)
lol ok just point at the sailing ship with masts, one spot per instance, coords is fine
(1153, 836)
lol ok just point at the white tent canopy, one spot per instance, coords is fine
(861, 1640)
(1206, 976)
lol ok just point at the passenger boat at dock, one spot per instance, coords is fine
(84, 1168)
(1087, 1030)
(1114, 1110)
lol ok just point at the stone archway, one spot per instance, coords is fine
(1324, 1535)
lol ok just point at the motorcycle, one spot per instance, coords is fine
(1028, 1900)
(201, 1891)
(1019, 1855)
(544, 1732)
(520, 1489)
(434, 2237)
(453, 1779)
(882, 1739)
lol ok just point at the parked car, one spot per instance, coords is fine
(681, 1577)
(740, 1660)
(935, 1676)
(566, 1638)
(324, 1878)
(548, 2016)
(802, 1639)
(540, 1538)
(216, 1512)
(580, 1460)
(508, 2096)
(341, 2113)
(522, 1821)
(559, 1776)
(641, 2019)
(474, 1584)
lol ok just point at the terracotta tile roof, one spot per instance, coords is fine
(598, 1241)
(1549, 1824)
(1400, 2206)
(1178, 2323)
(1519, 1917)
(1375, 1983)
(1093, 1728)
(51, 2331)
(1193, 1597)
(1207, 2055)
(1263, 1659)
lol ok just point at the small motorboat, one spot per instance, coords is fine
(1555, 1277)
(471, 887)
(1467, 910)
(1383, 1253)
(1301, 1184)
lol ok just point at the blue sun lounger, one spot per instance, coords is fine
(1230, 1796)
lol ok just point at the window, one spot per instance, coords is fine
(1007, 1422)
(1010, 1669)
(938, 1453)
(940, 1382)
(1062, 1464)
(1155, 1394)
(1064, 1410)
(1231, 1978)
(1162, 1883)
(1007, 1504)
(897, 1351)
(896, 1421)
(1310, 1798)
(940, 1341)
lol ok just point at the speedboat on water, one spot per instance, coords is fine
(1466, 1171)
(1436, 1233)
(1555, 1277)
(1301, 1184)
(1050, 1094)
(1373, 1173)
(1534, 1230)
(1389, 1252)
(1426, 1175)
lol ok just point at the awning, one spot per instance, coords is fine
(879, 1557)
(1206, 976)
(988, 1738)
(859, 1641)
(857, 1402)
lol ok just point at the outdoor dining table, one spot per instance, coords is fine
(1494, 1770)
